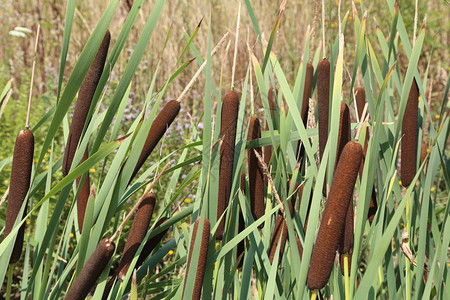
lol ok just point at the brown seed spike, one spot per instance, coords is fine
(91, 271)
(360, 95)
(344, 129)
(333, 218)
(83, 195)
(273, 109)
(137, 233)
(152, 242)
(230, 110)
(323, 97)
(305, 105)
(202, 257)
(87, 91)
(280, 234)
(156, 132)
(346, 245)
(409, 140)
(255, 173)
(19, 184)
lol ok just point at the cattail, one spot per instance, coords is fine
(83, 195)
(157, 130)
(241, 246)
(19, 184)
(299, 246)
(87, 90)
(360, 95)
(230, 108)
(273, 109)
(344, 129)
(423, 151)
(255, 173)
(346, 244)
(152, 242)
(305, 105)
(91, 271)
(202, 257)
(333, 218)
(137, 233)
(409, 140)
(242, 184)
(323, 97)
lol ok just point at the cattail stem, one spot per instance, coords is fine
(27, 122)
(346, 277)
(314, 295)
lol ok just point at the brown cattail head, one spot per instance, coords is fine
(373, 206)
(230, 110)
(305, 105)
(299, 246)
(255, 173)
(360, 95)
(19, 184)
(344, 129)
(157, 130)
(202, 257)
(409, 140)
(423, 151)
(273, 109)
(137, 233)
(280, 234)
(83, 195)
(346, 244)
(323, 98)
(333, 218)
(152, 242)
(91, 271)
(242, 185)
(87, 91)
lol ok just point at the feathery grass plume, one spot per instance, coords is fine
(255, 172)
(333, 218)
(323, 99)
(137, 233)
(346, 244)
(83, 195)
(91, 271)
(152, 242)
(87, 90)
(360, 95)
(409, 140)
(202, 257)
(18, 187)
(273, 109)
(230, 110)
(305, 105)
(156, 132)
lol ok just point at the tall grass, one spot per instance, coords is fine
(401, 253)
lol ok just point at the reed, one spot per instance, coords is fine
(18, 188)
(255, 172)
(230, 108)
(87, 91)
(202, 257)
(323, 99)
(156, 132)
(91, 271)
(409, 140)
(333, 218)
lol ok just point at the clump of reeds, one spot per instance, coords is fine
(333, 218)
(230, 108)
(91, 271)
(409, 140)
(87, 91)
(255, 172)
(323, 99)
(156, 132)
(202, 257)
(83, 195)
(19, 185)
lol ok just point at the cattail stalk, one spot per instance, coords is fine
(333, 219)
(19, 185)
(255, 173)
(230, 110)
(202, 258)
(85, 95)
(323, 98)
(409, 140)
(91, 271)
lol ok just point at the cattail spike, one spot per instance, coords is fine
(87, 91)
(273, 109)
(344, 129)
(305, 105)
(83, 195)
(230, 110)
(346, 245)
(333, 218)
(19, 184)
(91, 271)
(323, 97)
(152, 242)
(360, 95)
(255, 173)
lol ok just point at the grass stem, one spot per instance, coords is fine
(346, 277)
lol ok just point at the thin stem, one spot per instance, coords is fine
(314, 295)
(407, 262)
(9, 284)
(236, 47)
(27, 122)
(415, 22)
(346, 277)
(323, 28)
